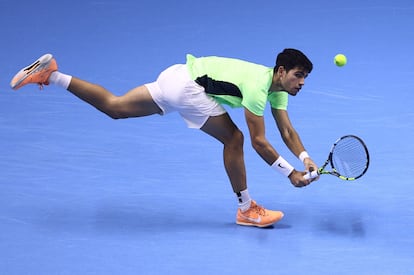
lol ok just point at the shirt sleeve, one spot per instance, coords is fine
(278, 100)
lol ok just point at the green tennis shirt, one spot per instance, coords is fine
(237, 83)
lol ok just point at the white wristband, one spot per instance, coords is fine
(282, 166)
(303, 155)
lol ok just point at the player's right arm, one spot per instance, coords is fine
(262, 146)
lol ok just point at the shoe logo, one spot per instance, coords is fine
(257, 220)
(33, 66)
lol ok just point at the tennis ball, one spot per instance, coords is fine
(340, 60)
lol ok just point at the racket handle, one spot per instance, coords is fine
(311, 175)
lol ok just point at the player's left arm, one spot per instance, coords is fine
(291, 137)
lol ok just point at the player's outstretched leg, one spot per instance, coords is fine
(37, 73)
(135, 103)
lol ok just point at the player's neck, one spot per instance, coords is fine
(276, 84)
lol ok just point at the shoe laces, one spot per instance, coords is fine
(40, 85)
(259, 210)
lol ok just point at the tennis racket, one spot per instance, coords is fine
(348, 158)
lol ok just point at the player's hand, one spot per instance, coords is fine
(310, 166)
(296, 178)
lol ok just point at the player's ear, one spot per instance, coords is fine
(280, 71)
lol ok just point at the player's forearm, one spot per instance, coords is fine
(293, 142)
(265, 150)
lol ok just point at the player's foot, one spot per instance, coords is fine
(258, 216)
(38, 72)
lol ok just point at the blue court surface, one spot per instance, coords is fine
(83, 194)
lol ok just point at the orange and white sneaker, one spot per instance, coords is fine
(38, 72)
(258, 216)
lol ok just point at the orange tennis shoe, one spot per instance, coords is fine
(258, 216)
(38, 72)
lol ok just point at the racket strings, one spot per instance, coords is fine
(350, 158)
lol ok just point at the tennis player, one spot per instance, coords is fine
(197, 90)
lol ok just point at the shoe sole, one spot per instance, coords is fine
(36, 66)
(256, 225)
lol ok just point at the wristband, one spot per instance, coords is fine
(282, 166)
(303, 155)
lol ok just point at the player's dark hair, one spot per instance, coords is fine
(291, 58)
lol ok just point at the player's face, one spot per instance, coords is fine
(293, 80)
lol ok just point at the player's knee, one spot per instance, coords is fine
(237, 139)
(114, 109)
(112, 113)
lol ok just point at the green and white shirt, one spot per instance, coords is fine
(237, 83)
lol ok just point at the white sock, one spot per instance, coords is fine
(244, 200)
(62, 80)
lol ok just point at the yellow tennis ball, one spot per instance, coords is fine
(340, 60)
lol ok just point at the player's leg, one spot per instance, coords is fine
(136, 103)
(249, 213)
(223, 129)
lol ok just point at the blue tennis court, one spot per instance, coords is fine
(81, 193)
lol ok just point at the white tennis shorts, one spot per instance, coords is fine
(174, 90)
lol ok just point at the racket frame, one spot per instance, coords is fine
(334, 172)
